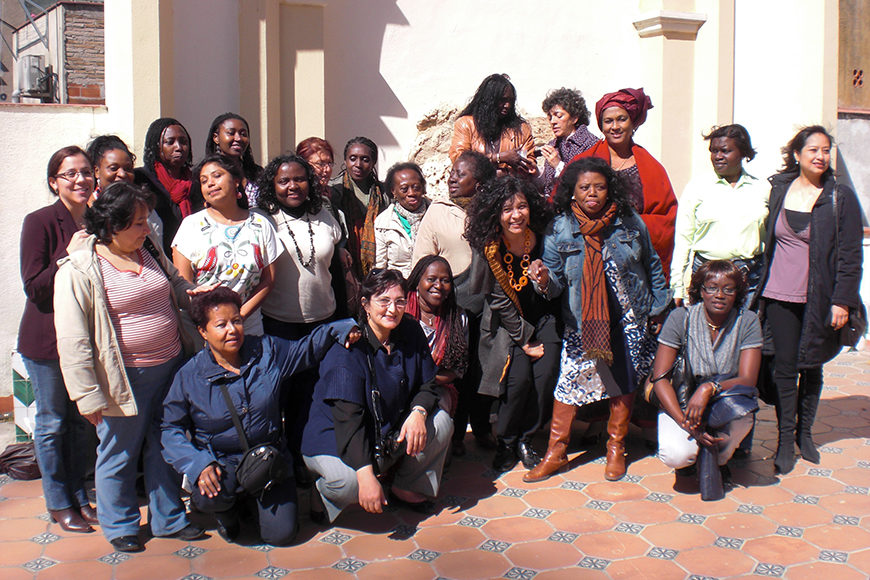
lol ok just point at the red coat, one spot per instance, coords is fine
(659, 202)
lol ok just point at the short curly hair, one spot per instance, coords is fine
(714, 268)
(390, 179)
(378, 281)
(201, 305)
(736, 132)
(115, 209)
(484, 214)
(268, 199)
(615, 190)
(569, 99)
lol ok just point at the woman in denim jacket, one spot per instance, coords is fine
(598, 256)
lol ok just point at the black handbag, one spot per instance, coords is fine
(386, 445)
(680, 375)
(261, 466)
(856, 325)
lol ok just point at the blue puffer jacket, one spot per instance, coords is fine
(196, 405)
(627, 242)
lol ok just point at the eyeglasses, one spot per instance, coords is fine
(73, 174)
(323, 164)
(726, 290)
(399, 303)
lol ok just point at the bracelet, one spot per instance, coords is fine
(421, 410)
(716, 388)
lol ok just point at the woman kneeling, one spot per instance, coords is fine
(375, 409)
(246, 372)
(723, 348)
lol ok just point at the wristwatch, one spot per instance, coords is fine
(421, 410)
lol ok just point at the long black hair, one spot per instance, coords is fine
(616, 192)
(456, 353)
(797, 143)
(484, 214)
(483, 108)
(249, 166)
(268, 200)
(154, 142)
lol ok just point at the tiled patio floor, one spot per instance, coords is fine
(813, 523)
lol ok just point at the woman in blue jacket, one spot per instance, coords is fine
(598, 256)
(252, 368)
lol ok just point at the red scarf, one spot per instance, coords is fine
(179, 189)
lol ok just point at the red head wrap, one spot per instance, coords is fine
(634, 101)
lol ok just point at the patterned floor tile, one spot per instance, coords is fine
(39, 564)
(472, 522)
(662, 553)
(423, 555)
(536, 513)
(190, 551)
(272, 572)
(833, 556)
(520, 574)
(773, 570)
(494, 546)
(733, 543)
(564, 537)
(594, 563)
(349, 565)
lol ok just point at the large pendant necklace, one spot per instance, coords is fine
(524, 263)
(310, 263)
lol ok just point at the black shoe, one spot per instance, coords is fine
(505, 457)
(189, 533)
(809, 451)
(528, 455)
(230, 533)
(783, 463)
(127, 544)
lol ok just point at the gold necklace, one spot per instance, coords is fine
(524, 263)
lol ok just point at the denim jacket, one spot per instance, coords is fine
(627, 243)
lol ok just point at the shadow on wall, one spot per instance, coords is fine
(357, 95)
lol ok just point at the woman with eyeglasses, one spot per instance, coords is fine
(397, 226)
(60, 433)
(381, 390)
(722, 343)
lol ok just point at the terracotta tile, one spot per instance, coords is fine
(836, 537)
(693, 504)
(615, 491)
(861, 561)
(661, 483)
(370, 547)
(471, 564)
(312, 554)
(498, 506)
(22, 529)
(16, 574)
(89, 570)
(796, 514)
(817, 570)
(543, 555)
(572, 574)
(611, 545)
(849, 504)
(581, 521)
(446, 515)
(317, 574)
(16, 489)
(644, 568)
(24, 507)
(229, 563)
(519, 529)
(477, 487)
(780, 550)
(17, 553)
(144, 567)
(449, 538)
(644, 512)
(555, 499)
(648, 466)
(79, 548)
(396, 569)
(812, 485)
(678, 535)
(166, 546)
(853, 476)
(766, 495)
(715, 562)
(740, 525)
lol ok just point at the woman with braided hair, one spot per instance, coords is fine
(599, 258)
(519, 334)
(358, 193)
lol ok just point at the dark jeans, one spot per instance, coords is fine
(528, 385)
(275, 508)
(786, 321)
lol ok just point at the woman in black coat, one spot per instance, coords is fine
(811, 278)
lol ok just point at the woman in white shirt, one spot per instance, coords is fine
(721, 216)
(226, 243)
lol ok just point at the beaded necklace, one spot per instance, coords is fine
(524, 263)
(310, 263)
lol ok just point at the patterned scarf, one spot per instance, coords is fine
(594, 312)
(410, 220)
(179, 189)
(462, 202)
(362, 240)
(494, 259)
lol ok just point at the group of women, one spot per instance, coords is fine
(522, 296)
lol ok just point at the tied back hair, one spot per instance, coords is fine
(249, 167)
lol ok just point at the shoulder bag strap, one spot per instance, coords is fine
(235, 416)
(836, 222)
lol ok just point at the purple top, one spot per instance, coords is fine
(569, 147)
(790, 267)
(630, 177)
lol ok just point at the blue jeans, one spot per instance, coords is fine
(121, 442)
(60, 437)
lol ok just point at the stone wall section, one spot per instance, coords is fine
(84, 57)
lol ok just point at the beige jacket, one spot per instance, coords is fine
(441, 234)
(393, 246)
(90, 357)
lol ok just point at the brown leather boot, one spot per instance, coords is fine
(560, 432)
(617, 428)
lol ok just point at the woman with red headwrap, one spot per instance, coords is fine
(619, 115)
